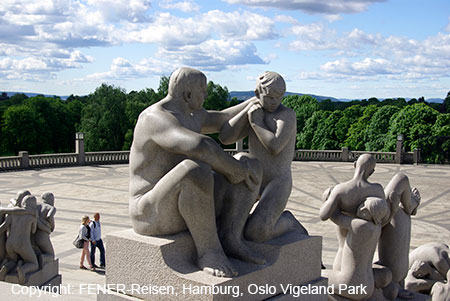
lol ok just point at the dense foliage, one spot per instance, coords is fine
(108, 116)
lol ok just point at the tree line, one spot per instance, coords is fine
(108, 115)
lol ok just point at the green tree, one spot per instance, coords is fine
(379, 126)
(217, 97)
(304, 139)
(357, 136)
(304, 107)
(412, 121)
(23, 129)
(349, 116)
(326, 135)
(441, 133)
(104, 120)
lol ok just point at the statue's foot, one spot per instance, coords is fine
(3, 272)
(296, 225)
(237, 248)
(216, 264)
(405, 294)
(415, 194)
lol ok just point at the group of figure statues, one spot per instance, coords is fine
(181, 179)
(25, 227)
(370, 218)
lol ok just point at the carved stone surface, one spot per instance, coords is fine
(181, 179)
(29, 257)
(429, 267)
(367, 215)
(169, 261)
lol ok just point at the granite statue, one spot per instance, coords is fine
(429, 264)
(441, 290)
(25, 227)
(45, 226)
(271, 129)
(19, 251)
(181, 179)
(344, 201)
(393, 247)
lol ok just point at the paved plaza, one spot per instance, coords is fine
(85, 190)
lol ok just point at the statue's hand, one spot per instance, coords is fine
(243, 174)
(255, 114)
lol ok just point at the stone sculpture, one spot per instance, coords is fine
(429, 264)
(441, 291)
(271, 129)
(46, 225)
(19, 251)
(27, 248)
(342, 204)
(180, 178)
(393, 247)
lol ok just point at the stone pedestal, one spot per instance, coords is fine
(47, 276)
(153, 268)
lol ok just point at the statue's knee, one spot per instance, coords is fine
(255, 231)
(252, 162)
(197, 170)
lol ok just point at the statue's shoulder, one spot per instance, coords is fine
(287, 112)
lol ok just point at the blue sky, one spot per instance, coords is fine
(342, 48)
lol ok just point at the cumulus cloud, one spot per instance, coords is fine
(185, 6)
(122, 69)
(329, 7)
(41, 68)
(213, 55)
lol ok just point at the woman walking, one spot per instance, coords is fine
(84, 234)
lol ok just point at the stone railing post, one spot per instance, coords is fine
(416, 156)
(79, 148)
(24, 159)
(344, 154)
(240, 146)
(399, 150)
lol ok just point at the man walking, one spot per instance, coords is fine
(96, 240)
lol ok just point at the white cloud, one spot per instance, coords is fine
(122, 69)
(213, 55)
(185, 6)
(313, 36)
(331, 7)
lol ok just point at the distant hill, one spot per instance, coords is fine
(35, 94)
(242, 95)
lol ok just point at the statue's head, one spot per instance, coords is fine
(48, 198)
(365, 165)
(29, 202)
(190, 85)
(270, 89)
(17, 201)
(373, 209)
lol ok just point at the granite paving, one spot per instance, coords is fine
(104, 188)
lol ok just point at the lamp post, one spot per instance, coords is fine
(399, 150)
(79, 148)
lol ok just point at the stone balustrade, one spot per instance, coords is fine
(80, 157)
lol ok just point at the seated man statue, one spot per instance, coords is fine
(180, 179)
(271, 129)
